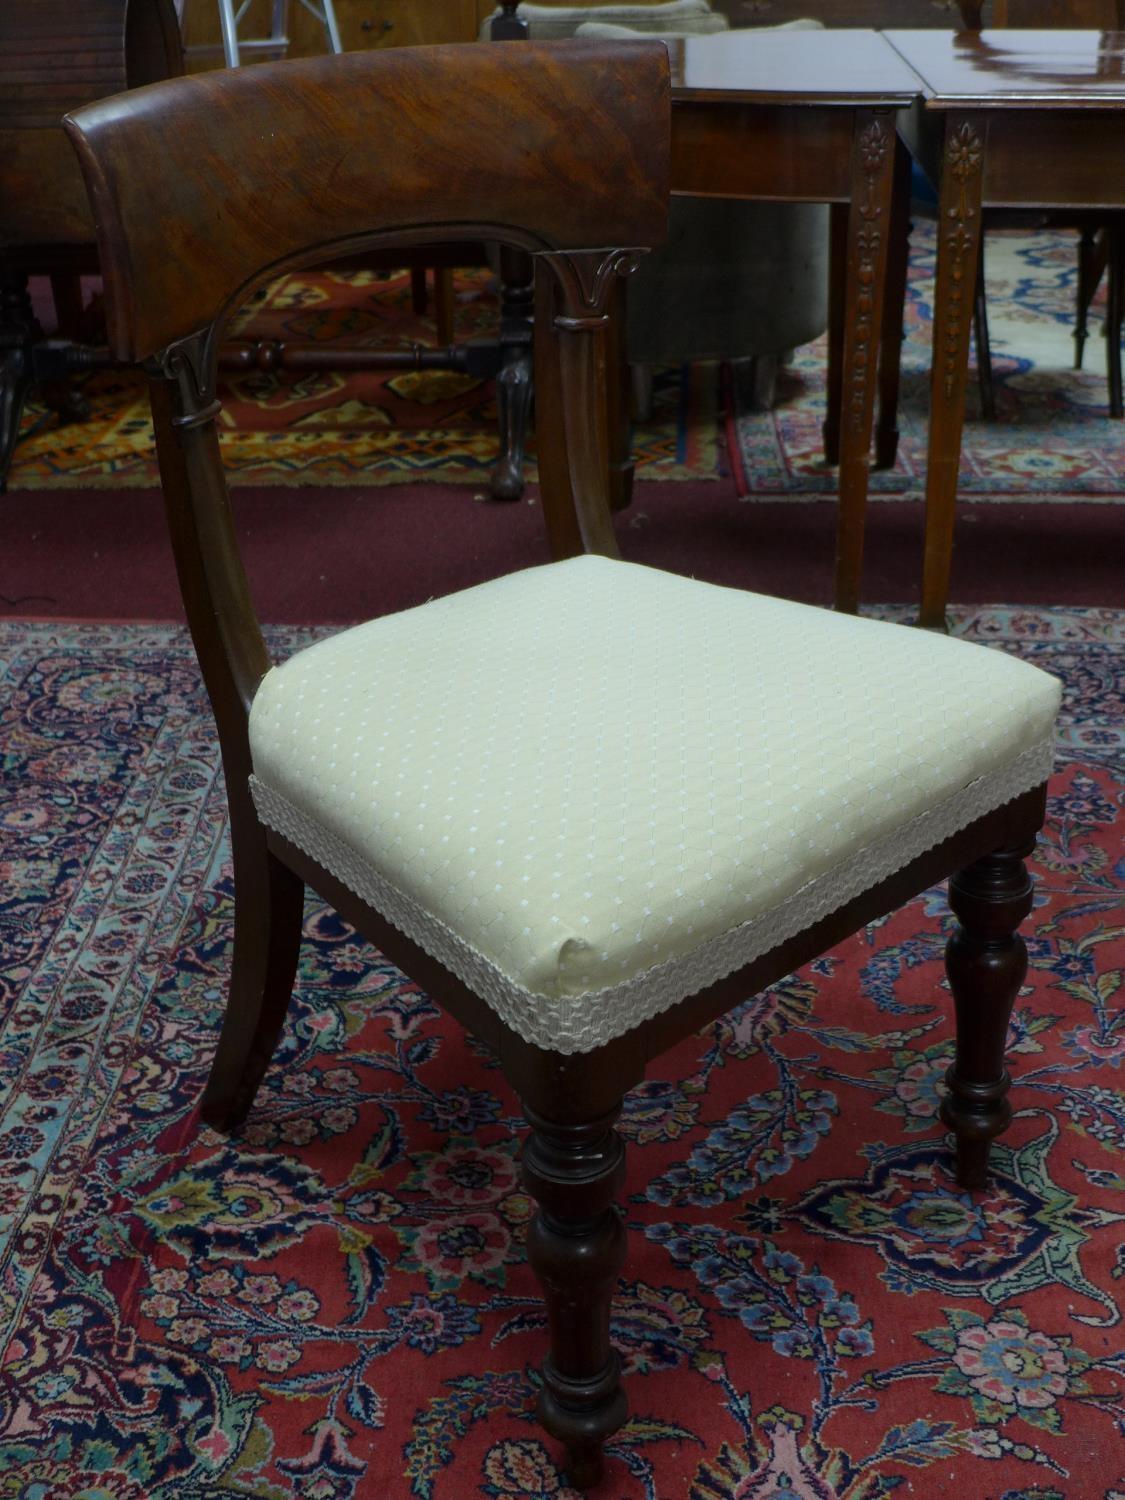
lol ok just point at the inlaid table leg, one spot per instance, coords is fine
(868, 234)
(958, 252)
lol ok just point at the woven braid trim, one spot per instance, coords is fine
(580, 1023)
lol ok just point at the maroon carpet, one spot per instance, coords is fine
(331, 554)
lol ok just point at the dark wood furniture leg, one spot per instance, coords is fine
(837, 303)
(959, 231)
(873, 152)
(443, 305)
(1089, 274)
(268, 908)
(66, 293)
(1115, 311)
(18, 332)
(986, 961)
(574, 1167)
(983, 343)
(890, 354)
(60, 395)
(514, 380)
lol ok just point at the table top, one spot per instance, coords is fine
(1014, 69)
(846, 67)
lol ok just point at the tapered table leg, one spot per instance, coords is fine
(837, 302)
(890, 354)
(868, 235)
(958, 252)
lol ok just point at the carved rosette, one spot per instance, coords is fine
(873, 147)
(960, 232)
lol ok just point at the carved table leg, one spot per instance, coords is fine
(986, 961)
(868, 232)
(958, 248)
(890, 354)
(576, 1246)
(514, 381)
(18, 331)
(837, 298)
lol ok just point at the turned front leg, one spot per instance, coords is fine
(986, 961)
(576, 1246)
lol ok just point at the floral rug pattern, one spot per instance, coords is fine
(331, 427)
(336, 1305)
(1052, 438)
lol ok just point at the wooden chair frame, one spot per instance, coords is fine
(181, 247)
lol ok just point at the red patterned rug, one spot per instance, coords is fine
(337, 1305)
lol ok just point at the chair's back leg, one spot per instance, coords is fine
(268, 904)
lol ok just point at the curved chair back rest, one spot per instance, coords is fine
(203, 187)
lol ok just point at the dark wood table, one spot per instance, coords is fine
(1007, 119)
(800, 117)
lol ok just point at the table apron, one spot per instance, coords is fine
(1052, 158)
(789, 154)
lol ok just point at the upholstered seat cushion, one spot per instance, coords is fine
(592, 788)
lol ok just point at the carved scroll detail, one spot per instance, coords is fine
(872, 148)
(963, 152)
(191, 363)
(585, 278)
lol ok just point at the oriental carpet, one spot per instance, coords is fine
(1052, 437)
(359, 428)
(336, 1305)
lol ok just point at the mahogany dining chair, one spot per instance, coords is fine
(589, 806)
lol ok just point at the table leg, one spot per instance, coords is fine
(890, 354)
(514, 380)
(958, 251)
(873, 152)
(837, 302)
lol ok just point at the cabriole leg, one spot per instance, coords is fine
(986, 961)
(576, 1246)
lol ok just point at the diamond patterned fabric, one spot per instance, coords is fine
(592, 788)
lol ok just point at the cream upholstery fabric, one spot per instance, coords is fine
(684, 17)
(592, 788)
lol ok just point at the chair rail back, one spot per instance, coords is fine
(204, 187)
